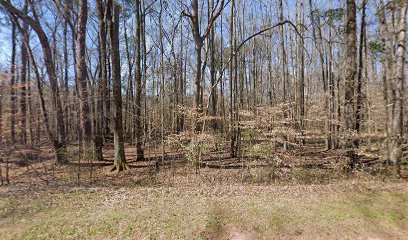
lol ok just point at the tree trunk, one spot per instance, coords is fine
(350, 79)
(113, 26)
(82, 74)
(198, 41)
(283, 51)
(359, 93)
(102, 84)
(13, 97)
(213, 107)
(398, 109)
(23, 84)
(233, 130)
(301, 85)
(138, 73)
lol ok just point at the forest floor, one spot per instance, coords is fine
(306, 196)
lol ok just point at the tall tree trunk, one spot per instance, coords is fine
(233, 130)
(161, 86)
(385, 69)
(66, 74)
(144, 64)
(398, 109)
(82, 74)
(301, 85)
(283, 51)
(13, 97)
(198, 41)
(23, 84)
(138, 73)
(102, 84)
(350, 79)
(130, 105)
(213, 107)
(359, 97)
(180, 93)
(112, 17)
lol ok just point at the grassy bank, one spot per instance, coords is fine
(369, 210)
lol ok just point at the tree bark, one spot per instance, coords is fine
(351, 70)
(350, 79)
(112, 18)
(359, 93)
(138, 73)
(82, 74)
(13, 97)
(213, 108)
(283, 51)
(398, 109)
(102, 84)
(23, 84)
(385, 66)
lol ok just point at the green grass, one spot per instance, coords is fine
(204, 212)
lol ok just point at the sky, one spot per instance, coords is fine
(5, 29)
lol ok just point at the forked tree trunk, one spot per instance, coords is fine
(198, 45)
(199, 42)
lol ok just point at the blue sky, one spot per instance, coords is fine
(5, 29)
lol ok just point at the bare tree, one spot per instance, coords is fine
(199, 42)
(34, 23)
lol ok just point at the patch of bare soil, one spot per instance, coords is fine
(229, 232)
